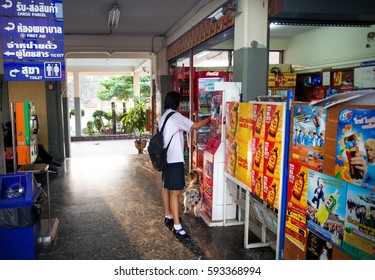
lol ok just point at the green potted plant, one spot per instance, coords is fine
(135, 123)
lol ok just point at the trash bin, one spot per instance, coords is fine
(19, 216)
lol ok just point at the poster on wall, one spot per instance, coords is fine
(243, 138)
(272, 154)
(266, 151)
(295, 227)
(318, 248)
(326, 200)
(273, 125)
(359, 234)
(308, 136)
(355, 149)
(364, 77)
(231, 118)
(239, 141)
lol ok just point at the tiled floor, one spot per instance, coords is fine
(107, 199)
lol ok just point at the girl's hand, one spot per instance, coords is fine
(359, 162)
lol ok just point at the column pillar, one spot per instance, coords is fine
(251, 48)
(66, 117)
(77, 103)
(56, 145)
(160, 84)
(137, 87)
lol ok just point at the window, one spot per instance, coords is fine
(275, 57)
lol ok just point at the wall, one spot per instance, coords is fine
(279, 44)
(207, 7)
(35, 92)
(336, 47)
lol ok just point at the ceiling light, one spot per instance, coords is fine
(113, 16)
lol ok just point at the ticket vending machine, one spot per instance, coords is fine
(27, 127)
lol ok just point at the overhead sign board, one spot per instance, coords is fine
(34, 71)
(27, 8)
(32, 34)
(33, 50)
(31, 28)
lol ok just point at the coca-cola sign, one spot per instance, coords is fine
(212, 74)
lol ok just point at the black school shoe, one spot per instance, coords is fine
(53, 169)
(56, 162)
(178, 235)
(168, 223)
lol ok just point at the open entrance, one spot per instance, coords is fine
(102, 92)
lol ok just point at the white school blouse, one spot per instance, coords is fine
(176, 125)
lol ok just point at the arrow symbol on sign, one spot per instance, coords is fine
(11, 26)
(9, 53)
(5, 6)
(13, 73)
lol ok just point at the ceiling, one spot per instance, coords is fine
(147, 18)
(142, 18)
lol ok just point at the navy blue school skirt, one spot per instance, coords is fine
(173, 176)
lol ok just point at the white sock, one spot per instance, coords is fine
(179, 227)
(170, 216)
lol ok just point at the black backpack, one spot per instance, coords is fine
(156, 150)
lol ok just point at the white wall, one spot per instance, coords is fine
(336, 47)
(279, 44)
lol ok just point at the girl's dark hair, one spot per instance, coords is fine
(172, 100)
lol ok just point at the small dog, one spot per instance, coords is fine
(193, 194)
